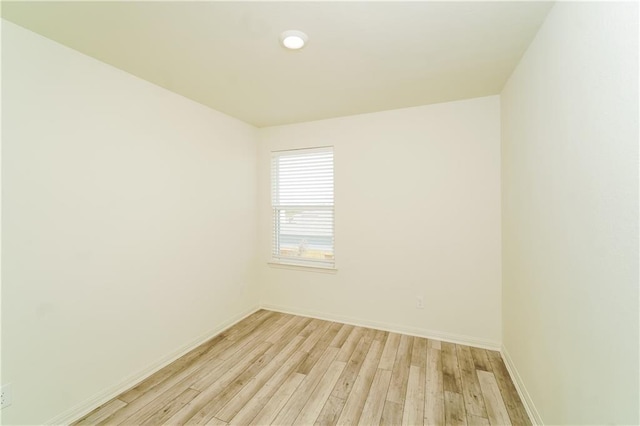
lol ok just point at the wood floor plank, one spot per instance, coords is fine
(434, 389)
(251, 409)
(434, 344)
(413, 413)
(450, 371)
(264, 329)
(473, 400)
(276, 368)
(251, 322)
(319, 348)
(314, 337)
(215, 398)
(175, 405)
(496, 410)
(480, 359)
(294, 405)
(285, 326)
(358, 395)
(348, 377)
(216, 422)
(212, 392)
(101, 413)
(311, 327)
(235, 404)
(278, 401)
(419, 353)
(454, 409)
(330, 412)
(206, 380)
(350, 344)
(515, 407)
(342, 336)
(374, 405)
(390, 350)
(381, 336)
(230, 369)
(391, 414)
(320, 394)
(400, 373)
(477, 421)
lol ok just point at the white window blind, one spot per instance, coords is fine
(302, 203)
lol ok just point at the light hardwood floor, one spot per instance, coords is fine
(274, 368)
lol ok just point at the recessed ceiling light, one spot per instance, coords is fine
(293, 39)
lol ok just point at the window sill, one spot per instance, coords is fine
(297, 267)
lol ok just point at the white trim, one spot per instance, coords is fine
(327, 148)
(300, 267)
(395, 328)
(294, 176)
(82, 409)
(533, 413)
(300, 261)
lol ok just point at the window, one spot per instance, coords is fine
(302, 205)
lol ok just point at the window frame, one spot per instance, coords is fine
(319, 265)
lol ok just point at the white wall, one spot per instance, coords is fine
(129, 225)
(417, 214)
(570, 215)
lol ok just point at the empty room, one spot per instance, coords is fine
(319, 213)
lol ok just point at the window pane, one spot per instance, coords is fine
(302, 198)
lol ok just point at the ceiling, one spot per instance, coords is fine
(361, 56)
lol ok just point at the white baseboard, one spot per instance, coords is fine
(395, 328)
(533, 413)
(85, 407)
